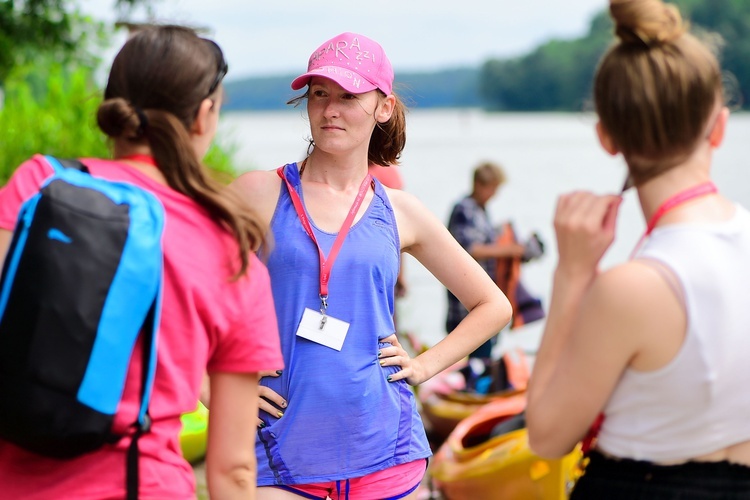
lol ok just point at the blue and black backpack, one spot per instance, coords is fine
(80, 282)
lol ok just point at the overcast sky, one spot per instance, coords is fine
(277, 36)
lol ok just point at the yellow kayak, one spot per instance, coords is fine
(194, 434)
(476, 463)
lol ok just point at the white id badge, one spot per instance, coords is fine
(332, 333)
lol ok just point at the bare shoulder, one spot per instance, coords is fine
(415, 221)
(407, 204)
(635, 300)
(633, 284)
(256, 181)
(261, 189)
(639, 308)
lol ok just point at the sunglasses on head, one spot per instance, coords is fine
(221, 66)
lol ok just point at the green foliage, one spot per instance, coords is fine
(555, 76)
(48, 97)
(55, 28)
(57, 118)
(53, 111)
(558, 75)
(220, 159)
(731, 20)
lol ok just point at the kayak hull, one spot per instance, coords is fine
(443, 412)
(472, 464)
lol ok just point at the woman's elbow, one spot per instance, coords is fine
(504, 309)
(541, 447)
(236, 481)
(544, 439)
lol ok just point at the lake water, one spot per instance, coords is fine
(544, 155)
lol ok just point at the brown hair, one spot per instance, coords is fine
(655, 89)
(489, 173)
(388, 139)
(156, 85)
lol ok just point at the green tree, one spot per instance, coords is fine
(731, 20)
(555, 76)
(56, 119)
(558, 74)
(53, 27)
(49, 85)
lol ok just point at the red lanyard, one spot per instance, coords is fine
(326, 264)
(147, 159)
(672, 202)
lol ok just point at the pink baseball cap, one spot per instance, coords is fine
(355, 62)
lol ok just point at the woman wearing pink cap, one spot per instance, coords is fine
(341, 421)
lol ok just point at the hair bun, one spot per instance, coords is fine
(646, 22)
(118, 118)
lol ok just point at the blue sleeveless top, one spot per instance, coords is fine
(343, 419)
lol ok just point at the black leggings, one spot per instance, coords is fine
(625, 479)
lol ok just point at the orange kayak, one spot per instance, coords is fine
(477, 463)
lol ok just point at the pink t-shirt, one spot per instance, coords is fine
(389, 176)
(208, 322)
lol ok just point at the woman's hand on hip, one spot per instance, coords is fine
(396, 355)
(270, 401)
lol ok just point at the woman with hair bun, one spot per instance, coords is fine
(655, 349)
(161, 110)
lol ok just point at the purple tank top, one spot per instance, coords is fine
(343, 419)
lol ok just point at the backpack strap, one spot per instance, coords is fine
(58, 164)
(143, 424)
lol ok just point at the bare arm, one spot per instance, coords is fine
(598, 325)
(5, 238)
(585, 229)
(260, 188)
(231, 470)
(423, 236)
(496, 251)
(204, 396)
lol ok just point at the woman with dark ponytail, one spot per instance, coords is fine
(161, 109)
(653, 350)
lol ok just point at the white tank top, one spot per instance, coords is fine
(700, 401)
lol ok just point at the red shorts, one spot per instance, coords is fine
(389, 484)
